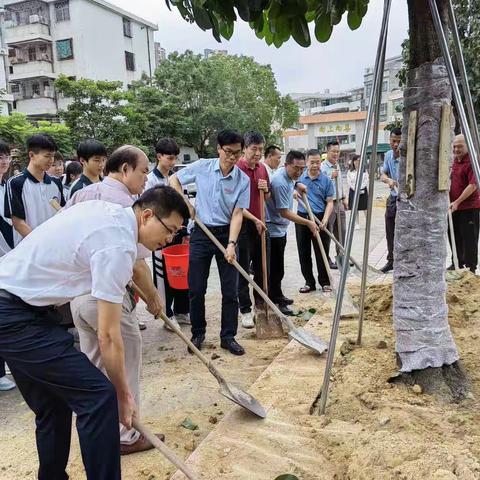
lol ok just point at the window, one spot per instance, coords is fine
(385, 86)
(383, 112)
(36, 89)
(127, 28)
(64, 49)
(130, 61)
(368, 90)
(353, 138)
(15, 88)
(32, 54)
(186, 158)
(62, 11)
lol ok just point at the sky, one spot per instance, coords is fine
(336, 65)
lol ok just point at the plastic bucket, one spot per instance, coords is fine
(176, 265)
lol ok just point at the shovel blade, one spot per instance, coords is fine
(308, 340)
(243, 399)
(267, 324)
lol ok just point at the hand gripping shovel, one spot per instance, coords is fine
(267, 324)
(233, 393)
(167, 453)
(349, 309)
(299, 334)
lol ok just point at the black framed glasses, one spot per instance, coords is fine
(169, 230)
(231, 153)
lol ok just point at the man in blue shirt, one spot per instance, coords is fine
(390, 177)
(320, 194)
(223, 191)
(279, 215)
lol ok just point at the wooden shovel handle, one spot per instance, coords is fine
(264, 243)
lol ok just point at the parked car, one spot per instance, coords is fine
(191, 188)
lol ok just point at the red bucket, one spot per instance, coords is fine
(176, 264)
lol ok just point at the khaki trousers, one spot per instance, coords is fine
(84, 312)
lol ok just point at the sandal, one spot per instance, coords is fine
(327, 289)
(307, 289)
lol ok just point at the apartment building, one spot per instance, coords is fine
(78, 38)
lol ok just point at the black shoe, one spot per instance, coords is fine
(197, 340)
(285, 310)
(332, 265)
(387, 267)
(232, 346)
(287, 301)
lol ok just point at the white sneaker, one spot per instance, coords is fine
(247, 320)
(183, 318)
(6, 384)
(175, 323)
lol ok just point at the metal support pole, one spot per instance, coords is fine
(464, 77)
(372, 168)
(378, 77)
(437, 21)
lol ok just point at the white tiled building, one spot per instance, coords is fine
(78, 38)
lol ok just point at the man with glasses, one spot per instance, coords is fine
(249, 244)
(28, 201)
(6, 242)
(126, 170)
(223, 192)
(280, 214)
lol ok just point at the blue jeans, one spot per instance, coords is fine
(202, 250)
(56, 380)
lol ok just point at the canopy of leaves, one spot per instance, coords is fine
(276, 21)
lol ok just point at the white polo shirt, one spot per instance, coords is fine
(92, 247)
(29, 199)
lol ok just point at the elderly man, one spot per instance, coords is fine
(465, 206)
(273, 157)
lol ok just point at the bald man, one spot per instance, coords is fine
(465, 206)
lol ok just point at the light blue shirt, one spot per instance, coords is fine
(327, 168)
(318, 190)
(390, 168)
(281, 189)
(217, 196)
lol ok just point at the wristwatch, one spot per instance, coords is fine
(233, 242)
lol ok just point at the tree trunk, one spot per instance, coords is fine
(425, 348)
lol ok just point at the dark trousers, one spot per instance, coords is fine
(277, 268)
(466, 230)
(2, 368)
(390, 215)
(335, 222)
(304, 242)
(202, 250)
(56, 380)
(250, 250)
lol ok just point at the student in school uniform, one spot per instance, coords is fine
(72, 172)
(6, 242)
(177, 305)
(58, 166)
(223, 192)
(126, 171)
(30, 193)
(92, 154)
(92, 247)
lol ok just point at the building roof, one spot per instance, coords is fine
(295, 133)
(333, 117)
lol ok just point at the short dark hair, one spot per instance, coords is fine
(312, 152)
(253, 138)
(293, 155)
(89, 148)
(333, 143)
(271, 149)
(4, 148)
(58, 157)
(229, 137)
(167, 146)
(127, 154)
(163, 200)
(73, 168)
(396, 131)
(41, 141)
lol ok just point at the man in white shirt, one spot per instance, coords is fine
(92, 248)
(126, 170)
(273, 157)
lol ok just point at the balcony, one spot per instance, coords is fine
(39, 106)
(16, 34)
(33, 69)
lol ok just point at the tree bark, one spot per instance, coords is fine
(420, 313)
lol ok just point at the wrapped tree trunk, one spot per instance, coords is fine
(425, 347)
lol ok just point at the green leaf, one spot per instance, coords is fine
(187, 423)
(323, 28)
(354, 19)
(202, 18)
(300, 31)
(287, 476)
(243, 9)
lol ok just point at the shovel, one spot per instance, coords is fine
(349, 309)
(167, 453)
(268, 325)
(355, 262)
(233, 393)
(299, 334)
